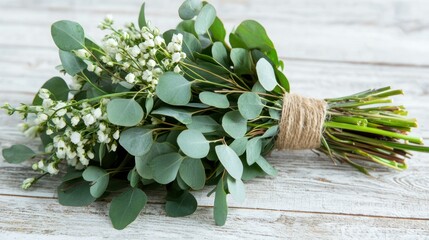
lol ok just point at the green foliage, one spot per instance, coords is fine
(174, 89)
(250, 105)
(180, 115)
(220, 54)
(230, 161)
(204, 124)
(71, 64)
(220, 210)
(192, 173)
(143, 162)
(180, 204)
(58, 88)
(253, 150)
(142, 18)
(217, 30)
(266, 75)
(17, 154)
(124, 112)
(240, 57)
(137, 141)
(237, 189)
(214, 99)
(234, 124)
(191, 45)
(68, 35)
(205, 19)
(75, 193)
(99, 179)
(125, 208)
(193, 143)
(165, 167)
(189, 9)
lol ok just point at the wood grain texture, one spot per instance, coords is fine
(42, 218)
(332, 48)
(387, 32)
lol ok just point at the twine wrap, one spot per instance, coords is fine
(301, 122)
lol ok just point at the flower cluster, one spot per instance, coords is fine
(133, 56)
(75, 129)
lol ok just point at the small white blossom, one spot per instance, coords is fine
(75, 120)
(130, 78)
(75, 137)
(116, 135)
(177, 69)
(26, 184)
(82, 53)
(52, 169)
(176, 57)
(88, 119)
(44, 93)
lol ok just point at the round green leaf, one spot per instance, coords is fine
(190, 45)
(180, 206)
(237, 189)
(165, 167)
(59, 89)
(181, 115)
(214, 99)
(125, 208)
(143, 162)
(71, 64)
(234, 124)
(220, 54)
(239, 145)
(265, 166)
(174, 89)
(204, 124)
(189, 9)
(250, 105)
(240, 57)
(217, 30)
(68, 35)
(205, 19)
(253, 150)
(17, 154)
(124, 112)
(251, 35)
(266, 75)
(193, 143)
(220, 210)
(230, 161)
(99, 179)
(75, 193)
(137, 141)
(193, 173)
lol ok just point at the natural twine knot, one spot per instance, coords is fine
(301, 122)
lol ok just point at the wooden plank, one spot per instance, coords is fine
(391, 32)
(43, 218)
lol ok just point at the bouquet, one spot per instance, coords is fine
(185, 109)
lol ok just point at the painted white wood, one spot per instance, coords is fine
(46, 219)
(390, 31)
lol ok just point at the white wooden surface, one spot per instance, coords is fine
(331, 48)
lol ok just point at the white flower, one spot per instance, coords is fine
(84, 161)
(177, 38)
(47, 103)
(176, 57)
(82, 53)
(75, 137)
(49, 132)
(102, 127)
(44, 93)
(159, 40)
(61, 153)
(31, 132)
(90, 155)
(41, 164)
(59, 123)
(97, 113)
(70, 154)
(75, 120)
(98, 71)
(52, 169)
(111, 43)
(113, 147)
(118, 57)
(41, 118)
(116, 135)
(134, 51)
(26, 184)
(108, 18)
(91, 67)
(102, 137)
(147, 75)
(88, 119)
(130, 78)
(151, 63)
(60, 108)
(177, 69)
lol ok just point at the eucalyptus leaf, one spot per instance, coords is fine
(217, 30)
(137, 141)
(239, 145)
(124, 112)
(220, 54)
(266, 75)
(204, 124)
(179, 206)
(68, 35)
(75, 193)
(193, 143)
(234, 124)
(274, 114)
(149, 105)
(17, 154)
(205, 19)
(240, 57)
(252, 35)
(181, 115)
(250, 105)
(58, 88)
(263, 163)
(220, 210)
(253, 150)
(71, 64)
(143, 162)
(214, 99)
(99, 179)
(237, 189)
(165, 167)
(133, 177)
(189, 9)
(142, 18)
(271, 132)
(193, 173)
(174, 89)
(230, 161)
(125, 208)
(190, 45)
